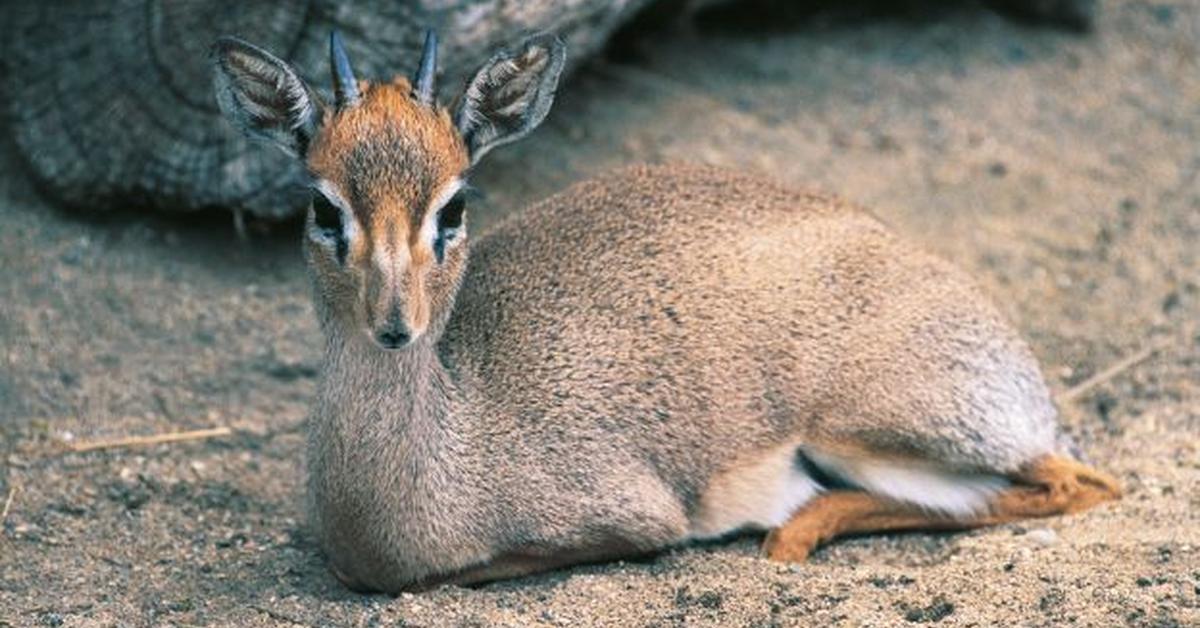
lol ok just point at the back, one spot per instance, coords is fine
(666, 313)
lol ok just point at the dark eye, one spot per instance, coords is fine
(450, 220)
(328, 220)
(451, 216)
(327, 217)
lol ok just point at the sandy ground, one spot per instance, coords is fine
(1060, 170)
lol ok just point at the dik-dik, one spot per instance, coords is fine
(654, 356)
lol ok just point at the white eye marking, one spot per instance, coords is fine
(429, 225)
(350, 228)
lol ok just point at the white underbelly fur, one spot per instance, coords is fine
(756, 494)
(764, 492)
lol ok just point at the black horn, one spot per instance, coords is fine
(427, 70)
(345, 87)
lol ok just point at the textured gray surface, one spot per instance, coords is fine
(111, 102)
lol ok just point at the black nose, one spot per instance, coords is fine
(392, 338)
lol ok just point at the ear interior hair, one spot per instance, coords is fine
(510, 95)
(263, 97)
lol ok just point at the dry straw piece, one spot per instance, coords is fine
(1130, 361)
(135, 441)
(12, 493)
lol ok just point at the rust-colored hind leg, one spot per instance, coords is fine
(1051, 485)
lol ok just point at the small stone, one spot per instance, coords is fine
(1170, 302)
(1043, 536)
(937, 610)
(710, 599)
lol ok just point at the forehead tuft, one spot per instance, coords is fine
(389, 153)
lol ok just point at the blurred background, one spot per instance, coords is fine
(1050, 148)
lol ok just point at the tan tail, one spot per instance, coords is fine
(1051, 485)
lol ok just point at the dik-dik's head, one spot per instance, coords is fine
(385, 237)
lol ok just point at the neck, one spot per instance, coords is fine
(383, 439)
(408, 388)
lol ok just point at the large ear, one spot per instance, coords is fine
(510, 95)
(262, 95)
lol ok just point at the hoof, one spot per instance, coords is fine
(784, 547)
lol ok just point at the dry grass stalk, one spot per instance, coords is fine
(155, 439)
(1126, 363)
(12, 493)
